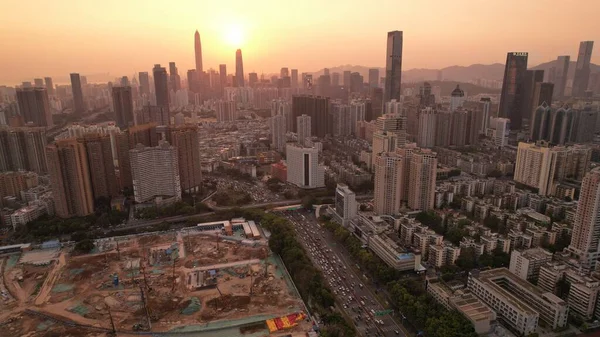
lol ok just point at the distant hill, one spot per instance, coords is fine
(448, 86)
(454, 73)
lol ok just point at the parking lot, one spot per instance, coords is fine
(353, 296)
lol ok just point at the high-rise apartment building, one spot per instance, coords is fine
(161, 86)
(304, 126)
(102, 169)
(38, 82)
(304, 170)
(155, 172)
(535, 167)
(457, 98)
(226, 111)
(373, 77)
(34, 106)
(185, 140)
(23, 149)
(153, 114)
(223, 76)
(345, 203)
(347, 76)
(123, 106)
(393, 123)
(294, 78)
(239, 69)
(277, 126)
(198, 53)
(78, 104)
(335, 79)
(513, 97)
(498, 130)
(421, 189)
(560, 76)
(393, 66)
(70, 178)
(427, 128)
(582, 69)
(252, 79)
(49, 86)
(585, 240)
(389, 173)
(526, 263)
(144, 83)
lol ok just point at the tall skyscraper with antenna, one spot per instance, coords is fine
(198, 51)
(393, 66)
(239, 69)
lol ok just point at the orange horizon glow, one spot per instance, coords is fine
(58, 37)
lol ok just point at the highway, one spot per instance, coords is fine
(352, 293)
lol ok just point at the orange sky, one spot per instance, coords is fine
(53, 38)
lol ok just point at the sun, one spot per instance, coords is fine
(234, 35)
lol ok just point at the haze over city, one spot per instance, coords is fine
(118, 37)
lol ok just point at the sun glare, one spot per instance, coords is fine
(234, 36)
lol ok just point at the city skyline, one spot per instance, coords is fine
(298, 44)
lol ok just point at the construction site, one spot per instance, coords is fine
(216, 279)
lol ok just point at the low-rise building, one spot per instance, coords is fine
(393, 255)
(526, 263)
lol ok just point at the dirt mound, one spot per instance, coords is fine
(229, 302)
(148, 239)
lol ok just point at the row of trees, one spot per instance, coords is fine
(307, 278)
(408, 296)
(177, 208)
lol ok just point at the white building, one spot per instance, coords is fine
(358, 110)
(226, 111)
(155, 172)
(526, 263)
(278, 129)
(394, 107)
(535, 167)
(345, 203)
(303, 128)
(304, 170)
(427, 123)
(498, 130)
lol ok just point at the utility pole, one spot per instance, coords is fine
(112, 322)
(118, 251)
(174, 261)
(146, 309)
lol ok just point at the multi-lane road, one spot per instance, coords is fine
(353, 296)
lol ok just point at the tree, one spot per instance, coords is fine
(467, 259)
(495, 174)
(308, 201)
(84, 246)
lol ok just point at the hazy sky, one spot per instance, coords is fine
(53, 38)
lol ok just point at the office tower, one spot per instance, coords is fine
(223, 76)
(393, 66)
(532, 78)
(373, 77)
(345, 203)
(277, 129)
(560, 76)
(526, 263)
(457, 98)
(252, 79)
(335, 79)
(38, 82)
(198, 52)
(561, 125)
(144, 84)
(421, 189)
(78, 105)
(394, 123)
(49, 86)
(294, 78)
(427, 128)
(70, 178)
(317, 108)
(304, 128)
(155, 172)
(185, 141)
(586, 227)
(498, 130)
(304, 170)
(535, 167)
(582, 69)
(389, 173)
(123, 106)
(102, 168)
(347, 76)
(34, 106)
(239, 69)
(512, 95)
(540, 124)
(226, 111)
(174, 79)
(192, 81)
(153, 114)
(541, 93)
(161, 86)
(584, 125)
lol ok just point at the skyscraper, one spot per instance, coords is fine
(155, 172)
(102, 169)
(123, 106)
(144, 83)
(198, 53)
(185, 140)
(49, 86)
(23, 149)
(396, 124)
(485, 104)
(78, 105)
(277, 129)
(174, 78)
(560, 76)
(34, 106)
(223, 76)
(70, 178)
(582, 69)
(373, 77)
(161, 85)
(542, 92)
(457, 98)
(317, 108)
(304, 128)
(512, 96)
(532, 78)
(192, 81)
(239, 69)
(294, 78)
(393, 66)
(252, 79)
(585, 241)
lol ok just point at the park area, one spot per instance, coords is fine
(192, 280)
